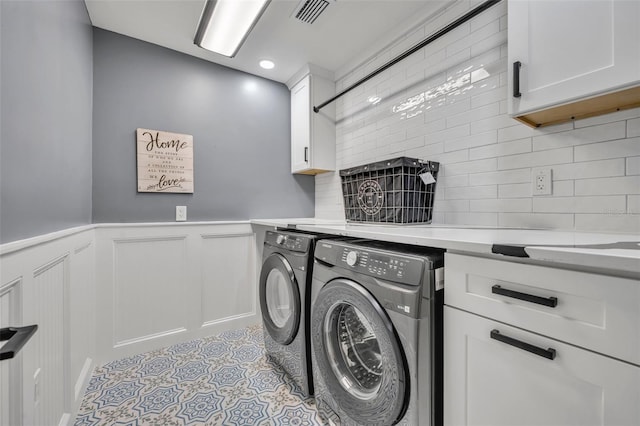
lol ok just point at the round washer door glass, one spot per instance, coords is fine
(352, 344)
(358, 355)
(279, 299)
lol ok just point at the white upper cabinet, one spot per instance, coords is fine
(313, 135)
(577, 58)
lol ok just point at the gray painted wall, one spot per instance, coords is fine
(45, 127)
(240, 125)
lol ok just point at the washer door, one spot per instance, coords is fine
(359, 355)
(279, 299)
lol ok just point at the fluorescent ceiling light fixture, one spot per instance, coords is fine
(267, 64)
(225, 24)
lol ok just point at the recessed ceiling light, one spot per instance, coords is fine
(266, 64)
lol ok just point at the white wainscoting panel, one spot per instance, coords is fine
(228, 278)
(59, 356)
(104, 292)
(150, 275)
(162, 284)
(82, 317)
(48, 290)
(10, 378)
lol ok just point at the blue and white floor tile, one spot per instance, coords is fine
(221, 380)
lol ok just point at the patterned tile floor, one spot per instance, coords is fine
(220, 380)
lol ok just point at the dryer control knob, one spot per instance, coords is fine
(281, 239)
(352, 258)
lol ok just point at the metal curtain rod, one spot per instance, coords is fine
(461, 20)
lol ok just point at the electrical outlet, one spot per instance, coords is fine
(542, 182)
(181, 213)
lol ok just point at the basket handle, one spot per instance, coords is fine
(426, 167)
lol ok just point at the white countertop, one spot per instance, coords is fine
(540, 245)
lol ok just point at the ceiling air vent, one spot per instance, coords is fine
(309, 10)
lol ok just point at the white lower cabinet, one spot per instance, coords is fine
(492, 382)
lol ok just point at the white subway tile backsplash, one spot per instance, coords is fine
(589, 169)
(471, 218)
(388, 148)
(536, 220)
(501, 149)
(451, 206)
(495, 93)
(462, 39)
(608, 186)
(494, 40)
(448, 103)
(514, 132)
(452, 159)
(602, 204)
(613, 149)
(486, 138)
(426, 129)
(504, 107)
(633, 166)
(494, 13)
(484, 63)
(503, 23)
(561, 188)
(447, 134)
(496, 122)
(502, 177)
(437, 67)
(428, 151)
(475, 166)
(501, 205)
(633, 128)
(473, 115)
(633, 204)
(515, 190)
(587, 135)
(471, 193)
(454, 181)
(394, 138)
(533, 159)
(438, 109)
(608, 118)
(614, 222)
(470, 39)
(431, 58)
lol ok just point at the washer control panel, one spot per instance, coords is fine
(404, 269)
(289, 241)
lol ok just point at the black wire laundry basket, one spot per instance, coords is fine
(390, 191)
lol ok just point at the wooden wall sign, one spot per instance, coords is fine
(165, 161)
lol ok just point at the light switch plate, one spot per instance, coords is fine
(181, 213)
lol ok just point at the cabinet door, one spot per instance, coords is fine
(300, 125)
(488, 382)
(571, 49)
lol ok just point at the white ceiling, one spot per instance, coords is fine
(347, 33)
